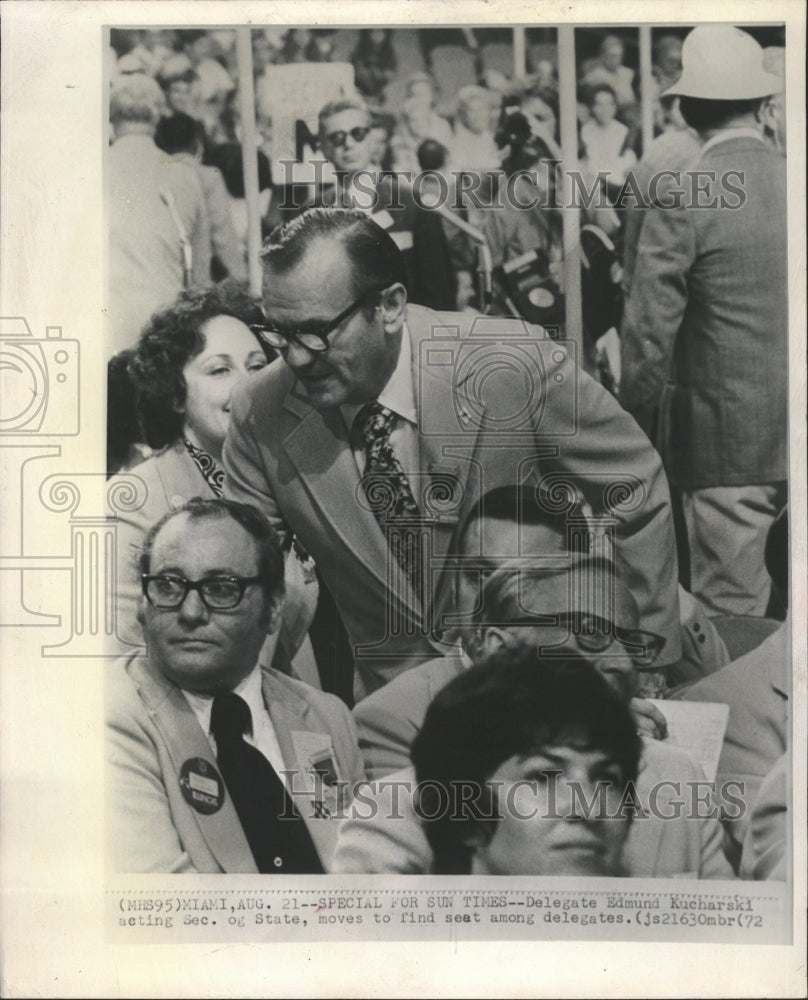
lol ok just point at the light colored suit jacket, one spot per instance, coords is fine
(145, 255)
(163, 482)
(382, 833)
(705, 330)
(151, 732)
(756, 687)
(538, 417)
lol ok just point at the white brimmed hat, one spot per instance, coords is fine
(722, 63)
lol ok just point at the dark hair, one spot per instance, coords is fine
(509, 705)
(179, 133)
(228, 157)
(599, 88)
(170, 339)
(270, 556)
(377, 261)
(122, 425)
(703, 114)
(525, 505)
(432, 155)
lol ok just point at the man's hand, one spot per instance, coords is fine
(648, 719)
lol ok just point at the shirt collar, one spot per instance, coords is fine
(249, 689)
(399, 394)
(742, 132)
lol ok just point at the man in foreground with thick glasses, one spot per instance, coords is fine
(217, 763)
(383, 423)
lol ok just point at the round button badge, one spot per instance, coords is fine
(202, 786)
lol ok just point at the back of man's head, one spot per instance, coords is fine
(136, 104)
(180, 133)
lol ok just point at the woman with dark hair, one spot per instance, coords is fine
(187, 362)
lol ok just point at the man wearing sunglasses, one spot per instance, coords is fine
(366, 403)
(578, 608)
(346, 138)
(217, 763)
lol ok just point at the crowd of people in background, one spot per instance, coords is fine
(684, 355)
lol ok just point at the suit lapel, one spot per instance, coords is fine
(303, 742)
(448, 434)
(185, 740)
(319, 449)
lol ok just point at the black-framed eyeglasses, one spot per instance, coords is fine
(358, 134)
(315, 337)
(595, 635)
(218, 593)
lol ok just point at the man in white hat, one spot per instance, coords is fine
(705, 336)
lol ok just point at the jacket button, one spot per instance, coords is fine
(702, 638)
(696, 627)
(278, 862)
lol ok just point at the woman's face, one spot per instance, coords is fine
(230, 353)
(560, 815)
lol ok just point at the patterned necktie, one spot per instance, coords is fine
(278, 837)
(389, 495)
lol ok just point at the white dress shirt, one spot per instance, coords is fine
(262, 737)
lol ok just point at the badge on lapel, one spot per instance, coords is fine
(202, 786)
(318, 771)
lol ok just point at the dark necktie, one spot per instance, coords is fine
(277, 835)
(389, 495)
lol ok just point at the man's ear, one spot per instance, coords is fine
(394, 303)
(141, 612)
(495, 639)
(274, 613)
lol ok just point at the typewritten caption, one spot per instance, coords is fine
(677, 911)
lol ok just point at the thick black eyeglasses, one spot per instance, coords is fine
(358, 134)
(595, 635)
(217, 593)
(315, 338)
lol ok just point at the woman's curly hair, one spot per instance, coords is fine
(170, 339)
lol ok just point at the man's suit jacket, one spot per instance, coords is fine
(756, 687)
(705, 330)
(152, 731)
(497, 405)
(383, 834)
(163, 482)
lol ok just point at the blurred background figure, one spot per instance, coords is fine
(375, 64)
(183, 137)
(417, 122)
(610, 70)
(473, 147)
(159, 233)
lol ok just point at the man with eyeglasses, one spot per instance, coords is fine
(346, 138)
(372, 447)
(217, 763)
(578, 607)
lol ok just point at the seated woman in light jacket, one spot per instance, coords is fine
(187, 362)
